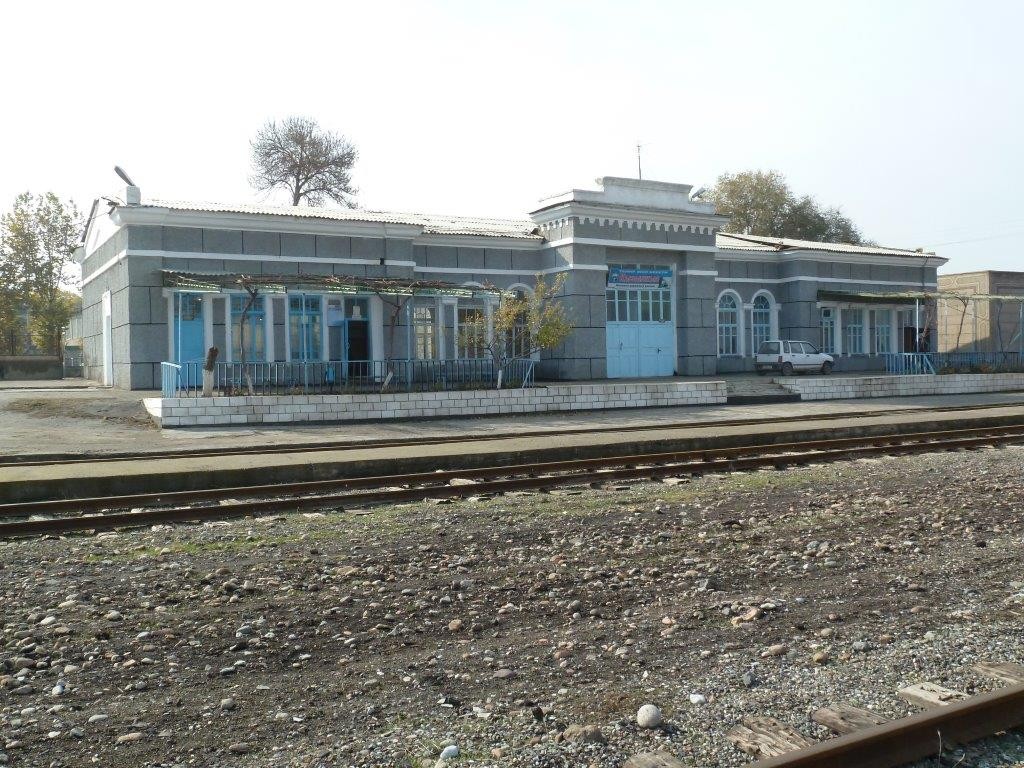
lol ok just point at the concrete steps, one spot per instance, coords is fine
(758, 391)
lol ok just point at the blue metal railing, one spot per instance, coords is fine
(915, 363)
(351, 377)
(908, 363)
(170, 379)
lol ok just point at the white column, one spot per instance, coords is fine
(439, 333)
(375, 311)
(228, 342)
(325, 352)
(207, 323)
(869, 347)
(169, 298)
(741, 330)
(287, 330)
(489, 318)
(837, 339)
(776, 333)
(268, 327)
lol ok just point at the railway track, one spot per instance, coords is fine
(865, 739)
(112, 512)
(58, 459)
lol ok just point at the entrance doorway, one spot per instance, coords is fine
(639, 330)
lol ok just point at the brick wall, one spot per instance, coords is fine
(836, 388)
(193, 411)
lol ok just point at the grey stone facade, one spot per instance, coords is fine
(577, 234)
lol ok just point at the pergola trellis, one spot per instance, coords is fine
(944, 300)
(254, 285)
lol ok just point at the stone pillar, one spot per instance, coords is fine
(268, 327)
(837, 333)
(228, 330)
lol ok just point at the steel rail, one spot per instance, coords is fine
(34, 460)
(912, 738)
(561, 473)
(94, 503)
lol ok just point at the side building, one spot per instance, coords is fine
(981, 312)
(652, 286)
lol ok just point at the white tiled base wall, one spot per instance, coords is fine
(204, 411)
(836, 388)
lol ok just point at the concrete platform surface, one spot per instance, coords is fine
(100, 421)
(94, 478)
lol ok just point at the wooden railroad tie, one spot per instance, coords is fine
(929, 695)
(1003, 672)
(776, 744)
(846, 718)
(766, 737)
(653, 760)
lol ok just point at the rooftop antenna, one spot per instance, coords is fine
(123, 175)
(639, 171)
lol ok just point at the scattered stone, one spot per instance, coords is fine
(449, 753)
(128, 738)
(584, 734)
(648, 716)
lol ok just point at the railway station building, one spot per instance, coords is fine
(652, 285)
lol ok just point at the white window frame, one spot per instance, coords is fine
(730, 330)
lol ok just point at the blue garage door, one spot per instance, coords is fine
(640, 333)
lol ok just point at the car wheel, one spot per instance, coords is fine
(826, 368)
(787, 369)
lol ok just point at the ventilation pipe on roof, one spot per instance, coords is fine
(132, 194)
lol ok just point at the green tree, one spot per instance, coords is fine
(761, 203)
(314, 165)
(39, 238)
(524, 323)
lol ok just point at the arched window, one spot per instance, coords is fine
(728, 325)
(423, 330)
(760, 322)
(518, 341)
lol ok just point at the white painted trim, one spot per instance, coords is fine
(107, 336)
(637, 244)
(811, 279)
(479, 241)
(698, 272)
(106, 265)
(265, 257)
(831, 257)
(513, 272)
(168, 297)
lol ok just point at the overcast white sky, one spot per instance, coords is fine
(908, 115)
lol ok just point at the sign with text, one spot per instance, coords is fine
(660, 277)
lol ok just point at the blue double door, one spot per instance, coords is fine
(640, 349)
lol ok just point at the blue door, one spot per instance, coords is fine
(189, 349)
(640, 333)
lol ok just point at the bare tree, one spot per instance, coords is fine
(314, 165)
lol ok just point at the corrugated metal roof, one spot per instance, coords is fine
(431, 223)
(736, 241)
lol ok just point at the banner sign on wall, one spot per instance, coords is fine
(660, 277)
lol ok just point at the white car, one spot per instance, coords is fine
(787, 357)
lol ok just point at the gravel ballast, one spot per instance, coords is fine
(525, 630)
